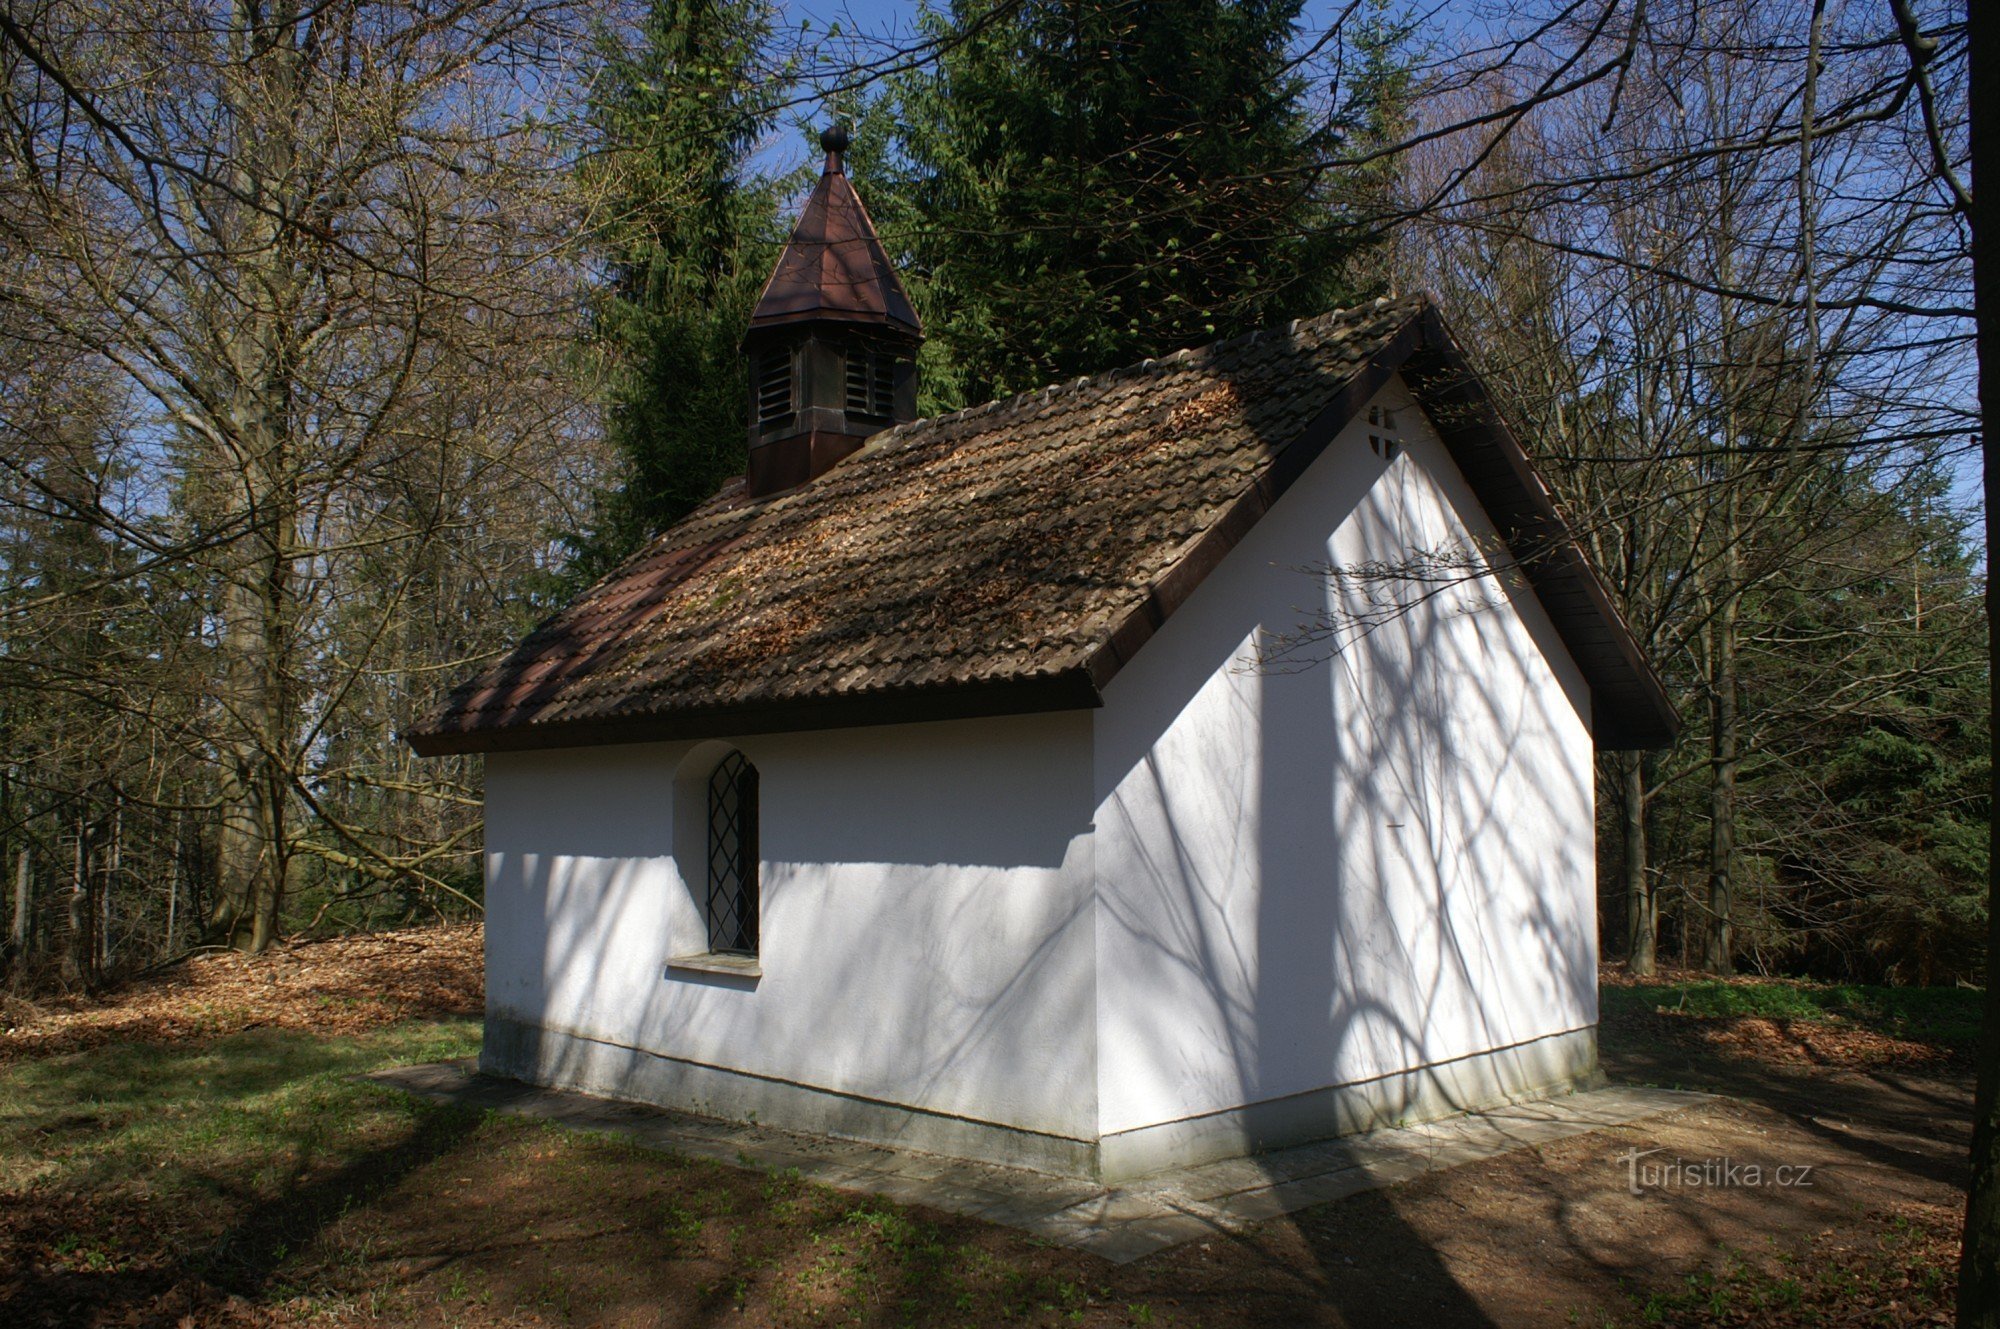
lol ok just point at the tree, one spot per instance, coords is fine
(1077, 184)
(1979, 1266)
(310, 248)
(689, 235)
(1685, 280)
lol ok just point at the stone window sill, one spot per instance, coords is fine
(717, 962)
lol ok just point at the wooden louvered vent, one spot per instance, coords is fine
(871, 382)
(774, 386)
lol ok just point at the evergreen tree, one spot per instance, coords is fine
(1866, 807)
(689, 237)
(1078, 184)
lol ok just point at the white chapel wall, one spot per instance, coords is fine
(926, 927)
(1378, 862)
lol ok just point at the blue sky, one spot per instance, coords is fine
(870, 16)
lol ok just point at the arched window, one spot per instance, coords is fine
(732, 856)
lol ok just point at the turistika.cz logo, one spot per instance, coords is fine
(1660, 1174)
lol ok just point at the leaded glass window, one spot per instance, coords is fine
(732, 856)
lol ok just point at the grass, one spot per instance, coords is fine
(157, 1167)
(1943, 1017)
(1900, 1279)
(218, 1117)
(252, 1173)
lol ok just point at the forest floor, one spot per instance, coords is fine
(194, 1149)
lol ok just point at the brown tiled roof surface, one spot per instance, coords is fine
(1012, 545)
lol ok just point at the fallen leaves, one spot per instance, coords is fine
(1821, 1042)
(1827, 1038)
(332, 986)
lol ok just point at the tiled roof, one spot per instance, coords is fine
(1005, 558)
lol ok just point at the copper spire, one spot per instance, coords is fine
(834, 268)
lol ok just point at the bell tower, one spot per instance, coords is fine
(832, 343)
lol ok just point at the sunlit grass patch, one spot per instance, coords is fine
(1905, 1275)
(210, 1115)
(212, 1161)
(1941, 1017)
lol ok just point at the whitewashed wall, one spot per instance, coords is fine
(1380, 862)
(926, 930)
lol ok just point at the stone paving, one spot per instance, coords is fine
(1120, 1222)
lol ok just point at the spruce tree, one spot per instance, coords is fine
(1078, 184)
(688, 233)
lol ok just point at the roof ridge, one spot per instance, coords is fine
(719, 502)
(1185, 355)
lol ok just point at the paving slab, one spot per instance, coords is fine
(1120, 1222)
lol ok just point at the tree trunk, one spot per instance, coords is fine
(112, 863)
(173, 890)
(250, 867)
(1979, 1261)
(23, 933)
(250, 844)
(258, 592)
(1719, 940)
(1642, 917)
(80, 962)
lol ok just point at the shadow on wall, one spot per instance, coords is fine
(977, 793)
(1396, 870)
(1399, 871)
(1008, 793)
(1458, 775)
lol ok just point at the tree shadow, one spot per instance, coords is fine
(130, 1264)
(1327, 889)
(1919, 1126)
(244, 1259)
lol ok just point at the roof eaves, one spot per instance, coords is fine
(1058, 690)
(1173, 587)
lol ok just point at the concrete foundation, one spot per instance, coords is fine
(1545, 1067)
(1542, 1068)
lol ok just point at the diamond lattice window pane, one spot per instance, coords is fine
(732, 856)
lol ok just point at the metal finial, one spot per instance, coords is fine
(833, 138)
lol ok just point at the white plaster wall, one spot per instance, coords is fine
(926, 914)
(1380, 861)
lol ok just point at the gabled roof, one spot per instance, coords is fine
(834, 267)
(1014, 556)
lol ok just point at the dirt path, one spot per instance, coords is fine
(1544, 1238)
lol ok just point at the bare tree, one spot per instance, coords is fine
(322, 252)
